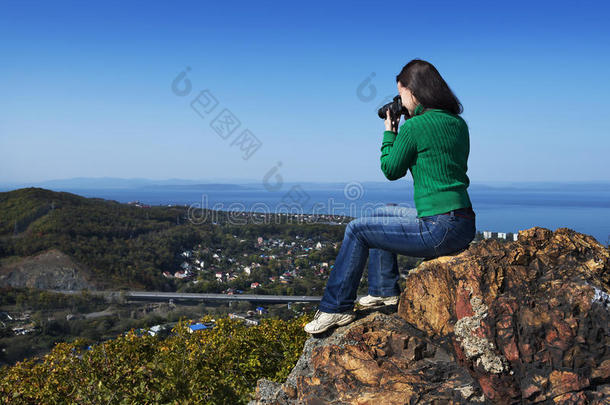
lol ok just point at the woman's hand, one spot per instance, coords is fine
(389, 125)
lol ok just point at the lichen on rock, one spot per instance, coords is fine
(477, 347)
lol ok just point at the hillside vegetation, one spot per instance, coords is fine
(214, 366)
(124, 245)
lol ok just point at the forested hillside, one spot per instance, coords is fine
(120, 243)
(125, 245)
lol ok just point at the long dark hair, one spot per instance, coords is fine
(428, 86)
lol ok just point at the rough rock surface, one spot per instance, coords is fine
(379, 358)
(500, 322)
(52, 270)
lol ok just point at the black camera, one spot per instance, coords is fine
(396, 110)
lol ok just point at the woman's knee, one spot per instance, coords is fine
(351, 225)
(354, 226)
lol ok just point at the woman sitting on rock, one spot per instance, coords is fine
(433, 143)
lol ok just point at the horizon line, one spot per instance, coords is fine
(244, 181)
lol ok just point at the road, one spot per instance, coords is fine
(166, 296)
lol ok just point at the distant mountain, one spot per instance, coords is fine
(97, 183)
(573, 186)
(204, 186)
(113, 183)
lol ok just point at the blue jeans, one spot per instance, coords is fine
(389, 231)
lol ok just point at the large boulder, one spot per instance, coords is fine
(378, 359)
(528, 319)
(500, 322)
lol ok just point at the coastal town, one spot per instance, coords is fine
(224, 268)
(202, 262)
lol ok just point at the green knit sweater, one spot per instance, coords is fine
(435, 145)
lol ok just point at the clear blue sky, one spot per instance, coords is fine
(86, 89)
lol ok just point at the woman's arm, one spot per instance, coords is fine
(397, 152)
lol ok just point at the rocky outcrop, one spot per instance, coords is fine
(528, 319)
(52, 270)
(500, 322)
(378, 359)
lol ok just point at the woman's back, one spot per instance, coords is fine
(434, 144)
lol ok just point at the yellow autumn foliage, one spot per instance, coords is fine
(210, 366)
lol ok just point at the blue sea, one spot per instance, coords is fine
(583, 207)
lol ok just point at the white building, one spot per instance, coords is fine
(155, 329)
(245, 319)
(487, 234)
(181, 274)
(501, 235)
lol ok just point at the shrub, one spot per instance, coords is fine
(212, 366)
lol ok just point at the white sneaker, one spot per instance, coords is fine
(370, 300)
(323, 320)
